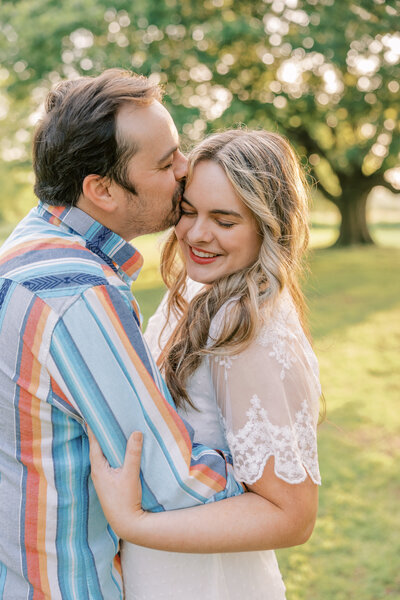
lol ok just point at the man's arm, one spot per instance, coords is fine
(100, 361)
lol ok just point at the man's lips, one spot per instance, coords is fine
(201, 256)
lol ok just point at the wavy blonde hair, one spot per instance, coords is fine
(266, 175)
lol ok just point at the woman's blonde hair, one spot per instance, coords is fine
(266, 175)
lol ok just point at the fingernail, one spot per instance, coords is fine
(137, 436)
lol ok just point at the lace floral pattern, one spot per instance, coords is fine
(259, 439)
(226, 363)
(283, 352)
(268, 400)
(280, 334)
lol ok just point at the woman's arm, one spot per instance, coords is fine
(274, 514)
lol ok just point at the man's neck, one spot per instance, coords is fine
(101, 216)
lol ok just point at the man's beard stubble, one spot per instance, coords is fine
(175, 213)
(145, 223)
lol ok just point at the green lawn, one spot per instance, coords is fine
(355, 315)
(354, 298)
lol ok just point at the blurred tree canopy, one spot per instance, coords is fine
(325, 73)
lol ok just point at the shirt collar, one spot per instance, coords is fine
(98, 238)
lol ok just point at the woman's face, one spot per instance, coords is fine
(217, 232)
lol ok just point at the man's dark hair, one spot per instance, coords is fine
(78, 137)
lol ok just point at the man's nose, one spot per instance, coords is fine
(180, 166)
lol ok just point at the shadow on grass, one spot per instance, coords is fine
(347, 285)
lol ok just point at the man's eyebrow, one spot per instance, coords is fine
(218, 211)
(167, 154)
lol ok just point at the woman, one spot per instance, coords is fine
(242, 373)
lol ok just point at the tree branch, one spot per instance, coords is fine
(327, 194)
(304, 138)
(387, 185)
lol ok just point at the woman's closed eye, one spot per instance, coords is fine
(226, 224)
(185, 212)
(188, 212)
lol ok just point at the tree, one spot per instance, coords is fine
(324, 73)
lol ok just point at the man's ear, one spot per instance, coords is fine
(98, 190)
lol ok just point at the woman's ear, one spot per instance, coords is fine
(98, 191)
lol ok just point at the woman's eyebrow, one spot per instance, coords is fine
(216, 211)
(220, 211)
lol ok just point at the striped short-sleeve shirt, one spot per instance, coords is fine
(71, 354)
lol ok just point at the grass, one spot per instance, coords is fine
(355, 317)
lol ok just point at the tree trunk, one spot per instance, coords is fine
(353, 227)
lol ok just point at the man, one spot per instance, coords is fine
(108, 168)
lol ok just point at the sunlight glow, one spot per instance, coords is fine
(82, 38)
(367, 130)
(4, 107)
(289, 72)
(393, 177)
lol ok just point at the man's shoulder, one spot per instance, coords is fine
(50, 261)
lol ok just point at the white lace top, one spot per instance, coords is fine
(266, 398)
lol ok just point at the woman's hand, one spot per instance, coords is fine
(119, 490)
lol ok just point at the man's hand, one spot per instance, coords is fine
(119, 490)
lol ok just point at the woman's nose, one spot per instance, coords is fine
(199, 232)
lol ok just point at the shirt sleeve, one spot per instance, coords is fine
(101, 363)
(268, 398)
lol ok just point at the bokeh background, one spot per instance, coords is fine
(325, 74)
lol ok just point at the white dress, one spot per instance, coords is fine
(260, 403)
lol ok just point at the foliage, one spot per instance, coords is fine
(325, 73)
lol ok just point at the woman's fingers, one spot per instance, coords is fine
(96, 456)
(133, 455)
(119, 490)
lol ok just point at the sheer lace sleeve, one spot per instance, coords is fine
(268, 399)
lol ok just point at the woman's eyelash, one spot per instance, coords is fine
(189, 213)
(227, 225)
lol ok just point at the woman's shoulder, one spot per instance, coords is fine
(279, 318)
(282, 336)
(280, 333)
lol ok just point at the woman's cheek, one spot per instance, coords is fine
(182, 227)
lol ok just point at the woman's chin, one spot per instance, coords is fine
(202, 276)
(205, 278)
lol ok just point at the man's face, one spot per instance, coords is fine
(155, 171)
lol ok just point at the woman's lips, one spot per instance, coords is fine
(202, 257)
